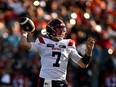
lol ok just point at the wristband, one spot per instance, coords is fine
(86, 59)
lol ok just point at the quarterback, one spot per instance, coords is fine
(55, 51)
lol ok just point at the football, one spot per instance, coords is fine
(27, 24)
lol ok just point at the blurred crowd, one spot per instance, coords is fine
(83, 18)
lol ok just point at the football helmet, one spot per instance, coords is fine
(56, 28)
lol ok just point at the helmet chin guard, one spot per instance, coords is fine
(59, 38)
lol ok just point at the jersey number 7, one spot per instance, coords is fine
(56, 64)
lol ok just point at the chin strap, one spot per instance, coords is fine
(59, 38)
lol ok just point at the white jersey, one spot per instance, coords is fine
(54, 57)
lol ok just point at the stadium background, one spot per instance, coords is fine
(83, 18)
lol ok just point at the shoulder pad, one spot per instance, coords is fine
(71, 42)
(41, 40)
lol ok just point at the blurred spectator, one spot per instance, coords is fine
(5, 77)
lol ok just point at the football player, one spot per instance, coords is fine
(55, 52)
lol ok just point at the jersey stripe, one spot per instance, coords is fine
(71, 42)
(41, 40)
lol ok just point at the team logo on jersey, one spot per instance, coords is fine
(62, 46)
(50, 45)
(56, 48)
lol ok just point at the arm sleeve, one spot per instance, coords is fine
(35, 46)
(74, 55)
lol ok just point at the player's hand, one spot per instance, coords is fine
(90, 45)
(24, 33)
(27, 34)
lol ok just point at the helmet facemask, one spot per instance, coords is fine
(60, 32)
